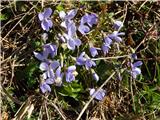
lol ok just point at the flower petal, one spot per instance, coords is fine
(105, 48)
(54, 65)
(58, 72)
(39, 56)
(71, 68)
(95, 76)
(84, 19)
(50, 24)
(108, 40)
(43, 66)
(40, 16)
(47, 12)
(50, 73)
(70, 77)
(71, 14)
(77, 42)
(44, 25)
(45, 87)
(93, 51)
(44, 75)
(49, 81)
(138, 63)
(71, 29)
(92, 91)
(118, 39)
(100, 95)
(83, 29)
(92, 19)
(71, 44)
(117, 25)
(62, 14)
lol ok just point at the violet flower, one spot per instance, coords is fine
(83, 29)
(118, 25)
(135, 70)
(81, 59)
(89, 63)
(67, 17)
(41, 56)
(48, 69)
(58, 77)
(106, 45)
(87, 19)
(70, 73)
(45, 19)
(116, 36)
(100, 95)
(90, 19)
(45, 87)
(134, 56)
(47, 49)
(50, 49)
(95, 76)
(93, 51)
(71, 38)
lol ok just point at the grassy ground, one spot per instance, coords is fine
(131, 99)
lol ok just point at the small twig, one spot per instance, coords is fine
(142, 5)
(46, 109)
(115, 57)
(8, 95)
(144, 37)
(55, 106)
(87, 104)
(18, 22)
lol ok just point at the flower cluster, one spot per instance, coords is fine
(53, 71)
(114, 36)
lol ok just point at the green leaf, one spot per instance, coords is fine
(3, 17)
(60, 7)
(72, 90)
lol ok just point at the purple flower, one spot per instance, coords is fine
(81, 59)
(50, 49)
(100, 95)
(93, 51)
(83, 29)
(90, 19)
(58, 77)
(71, 38)
(70, 15)
(45, 19)
(115, 36)
(87, 19)
(67, 17)
(135, 70)
(41, 56)
(95, 76)
(48, 69)
(45, 87)
(117, 25)
(69, 74)
(47, 49)
(89, 63)
(106, 45)
(134, 56)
